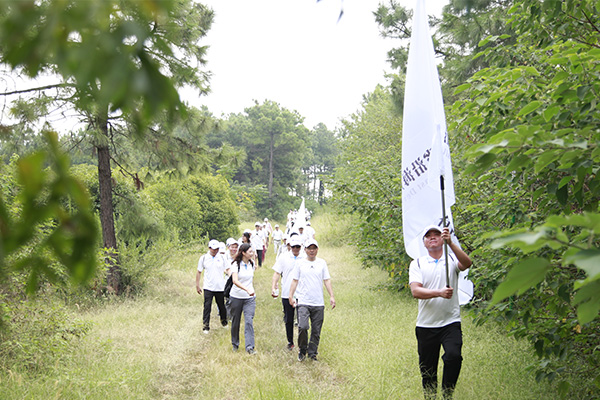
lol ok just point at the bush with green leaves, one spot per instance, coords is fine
(368, 183)
(532, 119)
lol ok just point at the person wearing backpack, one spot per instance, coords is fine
(242, 297)
(215, 266)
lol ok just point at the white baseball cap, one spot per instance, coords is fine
(213, 244)
(311, 242)
(230, 241)
(431, 228)
(294, 241)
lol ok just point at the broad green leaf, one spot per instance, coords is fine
(517, 162)
(529, 108)
(522, 277)
(462, 88)
(562, 195)
(550, 112)
(564, 181)
(544, 160)
(587, 260)
(532, 71)
(587, 300)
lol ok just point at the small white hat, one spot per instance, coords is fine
(311, 242)
(294, 241)
(431, 228)
(230, 241)
(213, 244)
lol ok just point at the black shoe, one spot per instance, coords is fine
(290, 346)
(313, 357)
(251, 351)
(301, 357)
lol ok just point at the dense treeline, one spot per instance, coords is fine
(137, 171)
(520, 80)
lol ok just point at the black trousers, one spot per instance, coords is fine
(429, 342)
(315, 315)
(220, 300)
(288, 318)
(259, 256)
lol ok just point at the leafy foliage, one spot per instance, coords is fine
(51, 202)
(532, 119)
(368, 182)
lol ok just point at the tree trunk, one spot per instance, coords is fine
(271, 156)
(106, 208)
(321, 191)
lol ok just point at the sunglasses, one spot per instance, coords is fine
(296, 247)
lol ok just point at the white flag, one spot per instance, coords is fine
(424, 131)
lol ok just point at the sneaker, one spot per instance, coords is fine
(235, 349)
(313, 357)
(290, 346)
(224, 324)
(251, 352)
(205, 331)
(301, 357)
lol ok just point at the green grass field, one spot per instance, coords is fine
(152, 347)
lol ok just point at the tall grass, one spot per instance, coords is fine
(152, 347)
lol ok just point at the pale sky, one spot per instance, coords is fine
(295, 52)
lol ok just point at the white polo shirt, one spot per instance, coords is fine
(310, 276)
(246, 278)
(257, 240)
(431, 273)
(214, 275)
(285, 266)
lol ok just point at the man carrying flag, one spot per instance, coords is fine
(437, 275)
(438, 320)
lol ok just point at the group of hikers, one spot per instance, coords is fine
(303, 275)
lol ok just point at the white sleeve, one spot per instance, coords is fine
(414, 272)
(201, 263)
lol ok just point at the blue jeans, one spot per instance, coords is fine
(248, 307)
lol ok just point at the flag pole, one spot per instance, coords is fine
(443, 226)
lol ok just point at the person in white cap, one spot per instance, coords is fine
(277, 239)
(283, 269)
(268, 226)
(258, 242)
(232, 246)
(308, 278)
(309, 231)
(303, 237)
(438, 319)
(214, 282)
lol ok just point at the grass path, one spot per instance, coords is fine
(153, 348)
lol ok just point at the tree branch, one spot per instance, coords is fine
(54, 86)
